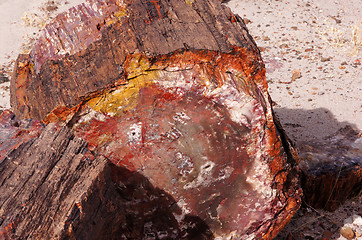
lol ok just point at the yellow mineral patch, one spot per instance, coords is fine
(138, 64)
(189, 2)
(125, 98)
(117, 16)
(31, 67)
(241, 83)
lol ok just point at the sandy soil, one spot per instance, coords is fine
(321, 39)
(312, 51)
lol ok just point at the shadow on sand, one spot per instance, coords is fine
(309, 125)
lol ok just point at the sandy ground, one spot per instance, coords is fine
(312, 51)
(321, 39)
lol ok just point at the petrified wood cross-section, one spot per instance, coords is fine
(172, 94)
(197, 125)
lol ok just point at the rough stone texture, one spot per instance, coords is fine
(173, 94)
(53, 187)
(13, 132)
(93, 40)
(199, 125)
(42, 180)
(332, 169)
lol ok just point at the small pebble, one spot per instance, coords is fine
(296, 74)
(347, 232)
(325, 59)
(3, 78)
(337, 20)
(357, 62)
(247, 21)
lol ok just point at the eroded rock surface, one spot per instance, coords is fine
(173, 94)
(197, 124)
(83, 50)
(54, 187)
(14, 132)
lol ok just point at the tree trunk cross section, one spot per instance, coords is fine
(157, 124)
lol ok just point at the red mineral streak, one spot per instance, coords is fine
(5, 232)
(13, 133)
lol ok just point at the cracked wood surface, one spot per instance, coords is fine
(82, 53)
(173, 94)
(37, 193)
(53, 187)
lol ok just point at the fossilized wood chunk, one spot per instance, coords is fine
(332, 169)
(173, 94)
(43, 178)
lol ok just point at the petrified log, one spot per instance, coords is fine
(332, 169)
(183, 119)
(37, 193)
(189, 166)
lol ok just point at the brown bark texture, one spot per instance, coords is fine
(154, 122)
(53, 187)
(83, 50)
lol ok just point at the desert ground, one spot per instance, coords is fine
(312, 53)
